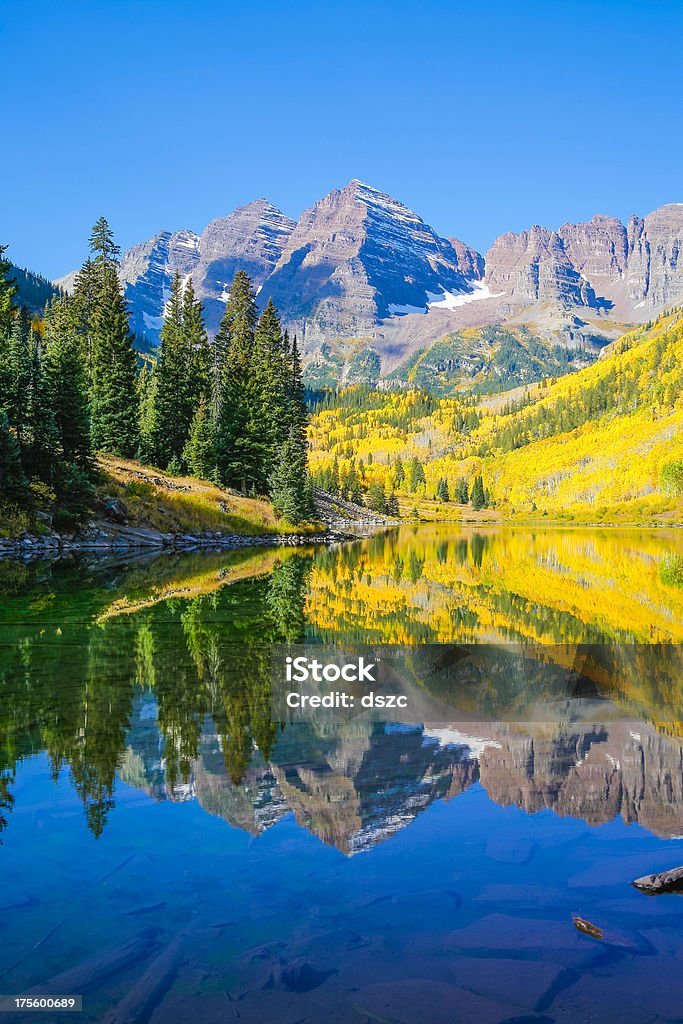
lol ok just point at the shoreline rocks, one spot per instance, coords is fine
(342, 521)
(109, 537)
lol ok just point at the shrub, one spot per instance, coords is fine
(671, 478)
(139, 489)
(14, 521)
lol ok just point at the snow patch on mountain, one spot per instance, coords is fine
(451, 300)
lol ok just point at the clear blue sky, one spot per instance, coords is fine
(483, 117)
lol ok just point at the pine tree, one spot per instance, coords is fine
(353, 488)
(13, 488)
(461, 492)
(199, 351)
(416, 474)
(172, 408)
(478, 498)
(83, 303)
(146, 391)
(289, 491)
(376, 499)
(442, 493)
(237, 450)
(40, 450)
(268, 386)
(106, 252)
(298, 413)
(399, 472)
(393, 508)
(114, 409)
(7, 292)
(16, 376)
(199, 453)
(66, 387)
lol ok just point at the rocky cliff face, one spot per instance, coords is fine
(251, 238)
(147, 271)
(627, 271)
(594, 772)
(534, 266)
(654, 272)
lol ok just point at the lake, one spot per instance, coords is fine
(174, 848)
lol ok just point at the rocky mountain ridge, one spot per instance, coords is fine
(360, 272)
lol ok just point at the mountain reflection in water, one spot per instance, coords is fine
(359, 785)
(164, 671)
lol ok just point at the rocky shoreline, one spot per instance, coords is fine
(110, 533)
(106, 537)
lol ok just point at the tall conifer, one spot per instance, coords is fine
(114, 409)
(171, 418)
(7, 293)
(66, 385)
(199, 350)
(237, 455)
(13, 487)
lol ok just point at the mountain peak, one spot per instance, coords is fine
(357, 258)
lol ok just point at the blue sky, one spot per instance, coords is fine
(483, 117)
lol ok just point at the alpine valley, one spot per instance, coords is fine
(373, 292)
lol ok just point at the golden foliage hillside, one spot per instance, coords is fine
(592, 446)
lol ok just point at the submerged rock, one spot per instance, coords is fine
(297, 976)
(664, 881)
(588, 929)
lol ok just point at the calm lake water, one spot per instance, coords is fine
(182, 854)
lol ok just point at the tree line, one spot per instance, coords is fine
(71, 385)
(351, 483)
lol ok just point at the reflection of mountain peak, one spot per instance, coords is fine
(358, 785)
(254, 805)
(399, 776)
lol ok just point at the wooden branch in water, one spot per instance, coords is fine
(143, 998)
(90, 973)
(34, 947)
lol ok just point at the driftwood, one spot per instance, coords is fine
(588, 929)
(118, 867)
(90, 973)
(617, 937)
(139, 1003)
(146, 909)
(665, 881)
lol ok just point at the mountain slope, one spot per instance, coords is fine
(592, 446)
(251, 238)
(33, 290)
